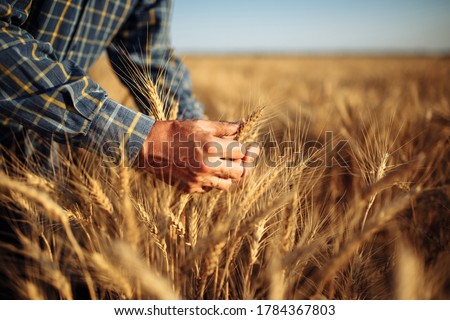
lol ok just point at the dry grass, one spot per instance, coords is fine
(293, 229)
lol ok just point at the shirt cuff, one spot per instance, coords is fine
(117, 133)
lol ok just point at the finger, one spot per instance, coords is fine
(224, 148)
(233, 137)
(248, 162)
(222, 184)
(216, 182)
(196, 189)
(223, 128)
(251, 153)
(228, 169)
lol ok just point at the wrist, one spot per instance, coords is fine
(153, 144)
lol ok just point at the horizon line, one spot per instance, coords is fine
(392, 52)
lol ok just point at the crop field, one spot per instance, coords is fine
(350, 198)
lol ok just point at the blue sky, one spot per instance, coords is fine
(311, 26)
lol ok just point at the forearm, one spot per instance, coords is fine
(116, 132)
(57, 99)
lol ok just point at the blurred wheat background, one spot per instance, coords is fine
(376, 228)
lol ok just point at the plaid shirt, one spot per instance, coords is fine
(46, 49)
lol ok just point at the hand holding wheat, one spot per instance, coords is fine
(196, 155)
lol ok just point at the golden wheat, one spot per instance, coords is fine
(300, 226)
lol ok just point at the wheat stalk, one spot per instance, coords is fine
(111, 275)
(153, 284)
(55, 212)
(131, 225)
(295, 232)
(33, 292)
(379, 175)
(99, 197)
(375, 224)
(248, 128)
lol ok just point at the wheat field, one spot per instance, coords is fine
(349, 199)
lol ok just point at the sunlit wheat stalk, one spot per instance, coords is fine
(249, 127)
(377, 223)
(379, 175)
(152, 284)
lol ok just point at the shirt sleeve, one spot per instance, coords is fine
(56, 98)
(146, 38)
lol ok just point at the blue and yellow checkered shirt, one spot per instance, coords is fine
(46, 49)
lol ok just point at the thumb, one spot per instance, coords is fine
(223, 128)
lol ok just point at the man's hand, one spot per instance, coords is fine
(196, 154)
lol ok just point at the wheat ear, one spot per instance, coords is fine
(248, 128)
(381, 172)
